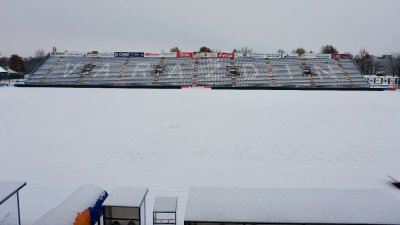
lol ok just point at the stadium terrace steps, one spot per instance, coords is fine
(270, 73)
(196, 71)
(50, 70)
(345, 74)
(214, 72)
(122, 71)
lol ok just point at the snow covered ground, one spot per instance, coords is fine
(168, 140)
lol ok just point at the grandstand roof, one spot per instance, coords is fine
(2, 70)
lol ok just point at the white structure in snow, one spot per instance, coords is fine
(9, 202)
(382, 81)
(2, 71)
(125, 206)
(164, 211)
(212, 205)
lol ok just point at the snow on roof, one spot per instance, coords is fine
(126, 196)
(11, 71)
(349, 206)
(58, 216)
(2, 70)
(83, 198)
(66, 213)
(7, 189)
(165, 204)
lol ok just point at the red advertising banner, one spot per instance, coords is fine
(184, 54)
(226, 55)
(340, 56)
(149, 54)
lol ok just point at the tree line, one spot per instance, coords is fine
(22, 65)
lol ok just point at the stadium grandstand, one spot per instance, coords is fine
(189, 69)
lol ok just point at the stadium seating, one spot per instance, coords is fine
(215, 72)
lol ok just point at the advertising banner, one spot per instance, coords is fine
(105, 54)
(225, 55)
(74, 54)
(323, 56)
(168, 54)
(91, 54)
(290, 55)
(340, 56)
(128, 54)
(308, 56)
(137, 54)
(122, 54)
(272, 55)
(258, 56)
(238, 55)
(371, 80)
(392, 80)
(385, 81)
(60, 54)
(206, 54)
(184, 54)
(148, 54)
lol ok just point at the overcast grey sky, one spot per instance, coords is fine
(155, 25)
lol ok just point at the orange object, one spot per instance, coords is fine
(83, 218)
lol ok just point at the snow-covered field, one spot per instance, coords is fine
(168, 140)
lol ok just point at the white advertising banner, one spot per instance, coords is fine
(59, 54)
(258, 56)
(74, 54)
(272, 55)
(238, 55)
(91, 55)
(168, 54)
(105, 54)
(206, 54)
(309, 56)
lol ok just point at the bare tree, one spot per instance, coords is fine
(246, 51)
(395, 63)
(39, 54)
(281, 51)
(364, 61)
(299, 51)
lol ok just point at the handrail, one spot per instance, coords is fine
(40, 64)
(362, 73)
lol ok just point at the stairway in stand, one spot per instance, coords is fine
(53, 67)
(196, 71)
(87, 69)
(345, 74)
(270, 74)
(122, 71)
(233, 78)
(158, 69)
(309, 75)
